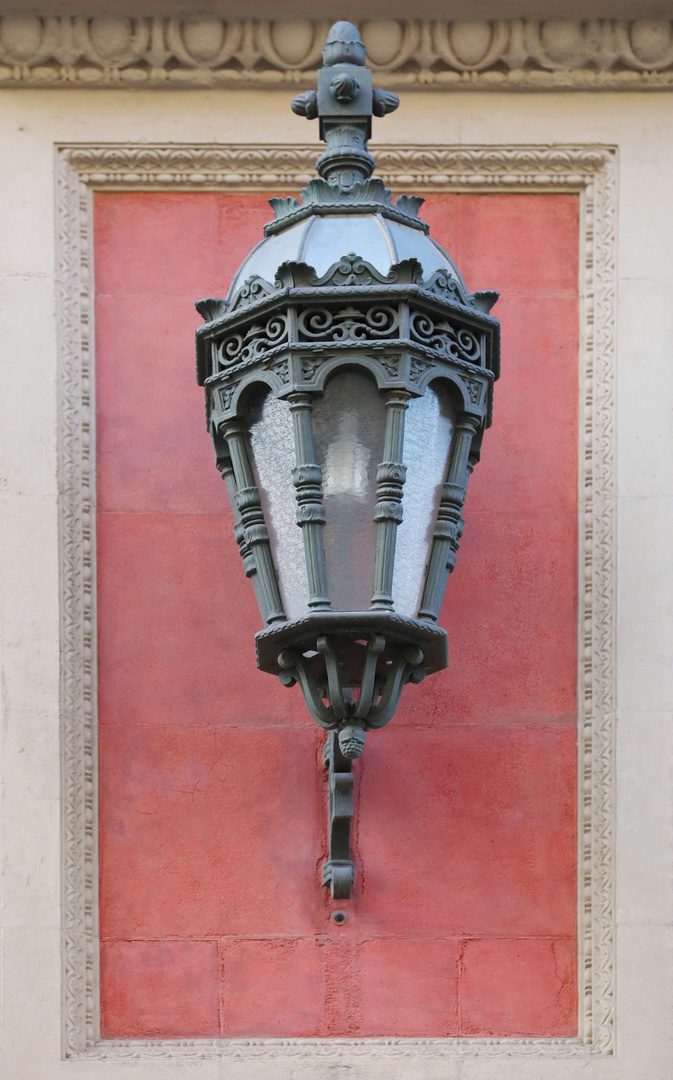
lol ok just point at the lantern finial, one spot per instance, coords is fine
(344, 103)
(344, 46)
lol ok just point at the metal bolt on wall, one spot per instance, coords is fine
(349, 380)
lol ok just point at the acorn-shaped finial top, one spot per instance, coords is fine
(344, 46)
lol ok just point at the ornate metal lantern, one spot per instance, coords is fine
(349, 378)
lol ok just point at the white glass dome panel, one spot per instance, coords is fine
(270, 253)
(332, 237)
(412, 244)
(322, 241)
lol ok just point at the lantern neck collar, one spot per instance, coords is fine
(321, 199)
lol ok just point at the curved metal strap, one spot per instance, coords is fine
(375, 646)
(405, 667)
(296, 667)
(336, 695)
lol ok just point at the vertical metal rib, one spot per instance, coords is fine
(252, 517)
(307, 479)
(449, 527)
(390, 477)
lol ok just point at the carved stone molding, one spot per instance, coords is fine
(144, 51)
(590, 172)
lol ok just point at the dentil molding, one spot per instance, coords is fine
(142, 51)
(589, 172)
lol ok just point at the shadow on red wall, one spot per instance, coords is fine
(213, 803)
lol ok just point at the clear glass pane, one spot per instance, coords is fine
(349, 428)
(428, 432)
(272, 447)
(333, 237)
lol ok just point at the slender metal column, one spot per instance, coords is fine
(307, 479)
(448, 529)
(390, 477)
(252, 517)
(225, 468)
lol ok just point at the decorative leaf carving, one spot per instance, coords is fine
(251, 292)
(282, 370)
(418, 368)
(369, 195)
(446, 287)
(295, 275)
(474, 391)
(225, 395)
(484, 300)
(372, 190)
(282, 208)
(309, 368)
(409, 204)
(212, 308)
(319, 193)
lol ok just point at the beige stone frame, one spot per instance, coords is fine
(589, 171)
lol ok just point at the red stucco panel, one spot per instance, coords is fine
(213, 921)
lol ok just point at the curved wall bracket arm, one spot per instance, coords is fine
(339, 870)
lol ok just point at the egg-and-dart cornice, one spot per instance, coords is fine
(173, 52)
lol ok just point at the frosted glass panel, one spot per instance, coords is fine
(268, 256)
(348, 428)
(333, 237)
(272, 446)
(428, 432)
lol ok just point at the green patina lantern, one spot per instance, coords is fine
(349, 379)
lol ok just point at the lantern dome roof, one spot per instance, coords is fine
(320, 241)
(345, 211)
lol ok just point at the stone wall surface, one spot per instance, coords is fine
(639, 126)
(213, 919)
